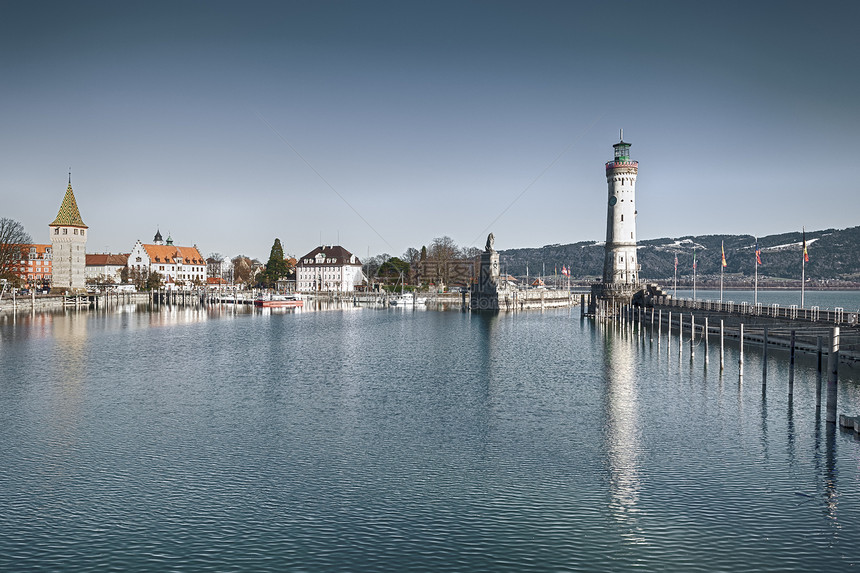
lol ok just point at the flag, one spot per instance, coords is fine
(805, 254)
(694, 258)
(757, 253)
(565, 271)
(723, 250)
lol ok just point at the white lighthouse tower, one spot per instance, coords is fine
(620, 263)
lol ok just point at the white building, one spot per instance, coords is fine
(220, 269)
(105, 267)
(68, 246)
(328, 268)
(178, 266)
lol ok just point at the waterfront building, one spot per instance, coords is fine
(328, 268)
(620, 262)
(33, 264)
(219, 269)
(178, 266)
(105, 267)
(68, 246)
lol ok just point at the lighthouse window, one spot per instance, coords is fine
(622, 217)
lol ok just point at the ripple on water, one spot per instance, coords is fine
(415, 442)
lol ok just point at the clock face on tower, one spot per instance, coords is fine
(613, 200)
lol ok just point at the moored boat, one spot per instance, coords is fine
(279, 301)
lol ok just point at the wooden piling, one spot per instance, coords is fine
(652, 325)
(764, 361)
(680, 335)
(669, 335)
(818, 376)
(692, 336)
(832, 375)
(722, 346)
(706, 341)
(791, 366)
(741, 351)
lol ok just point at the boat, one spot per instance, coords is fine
(293, 300)
(407, 299)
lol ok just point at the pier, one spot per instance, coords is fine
(832, 336)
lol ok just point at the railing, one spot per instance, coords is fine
(614, 164)
(812, 314)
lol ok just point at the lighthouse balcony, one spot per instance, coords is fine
(617, 164)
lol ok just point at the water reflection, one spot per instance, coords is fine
(622, 435)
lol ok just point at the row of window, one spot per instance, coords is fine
(66, 231)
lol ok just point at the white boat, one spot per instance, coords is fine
(407, 299)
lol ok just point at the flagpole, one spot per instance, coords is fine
(802, 281)
(722, 266)
(803, 270)
(676, 276)
(694, 273)
(755, 296)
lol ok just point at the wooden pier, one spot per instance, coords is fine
(833, 336)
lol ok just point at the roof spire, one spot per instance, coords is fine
(621, 135)
(69, 216)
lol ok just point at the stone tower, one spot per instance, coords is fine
(68, 246)
(620, 262)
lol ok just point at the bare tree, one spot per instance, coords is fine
(470, 252)
(413, 257)
(443, 249)
(12, 237)
(441, 255)
(242, 269)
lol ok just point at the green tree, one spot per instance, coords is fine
(277, 267)
(392, 268)
(153, 281)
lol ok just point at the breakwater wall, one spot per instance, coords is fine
(32, 302)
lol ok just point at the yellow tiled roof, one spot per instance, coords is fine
(69, 216)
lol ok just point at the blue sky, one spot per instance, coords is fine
(381, 125)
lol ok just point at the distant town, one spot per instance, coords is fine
(63, 265)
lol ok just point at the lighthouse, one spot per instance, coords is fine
(620, 262)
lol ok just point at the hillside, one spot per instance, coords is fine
(833, 255)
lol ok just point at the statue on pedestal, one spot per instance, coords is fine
(491, 242)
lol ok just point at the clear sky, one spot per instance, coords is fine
(381, 125)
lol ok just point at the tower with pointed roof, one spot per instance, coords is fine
(68, 245)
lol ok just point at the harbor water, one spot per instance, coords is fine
(367, 439)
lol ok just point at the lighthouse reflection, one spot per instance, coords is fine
(622, 436)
